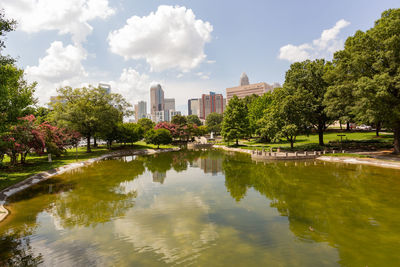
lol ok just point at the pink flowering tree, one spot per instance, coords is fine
(172, 128)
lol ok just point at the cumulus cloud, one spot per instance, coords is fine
(64, 16)
(132, 85)
(61, 66)
(170, 38)
(323, 47)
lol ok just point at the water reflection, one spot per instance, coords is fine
(207, 208)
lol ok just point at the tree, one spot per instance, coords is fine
(16, 95)
(284, 118)
(235, 124)
(131, 132)
(146, 124)
(179, 120)
(89, 110)
(214, 122)
(193, 119)
(6, 25)
(172, 128)
(256, 111)
(307, 80)
(158, 137)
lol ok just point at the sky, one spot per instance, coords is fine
(190, 47)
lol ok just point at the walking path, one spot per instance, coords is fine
(34, 179)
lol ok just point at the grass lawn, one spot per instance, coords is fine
(35, 164)
(311, 141)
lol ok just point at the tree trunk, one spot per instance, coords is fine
(378, 128)
(88, 150)
(348, 126)
(237, 141)
(321, 134)
(340, 123)
(291, 143)
(94, 142)
(397, 139)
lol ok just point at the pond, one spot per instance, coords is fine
(207, 208)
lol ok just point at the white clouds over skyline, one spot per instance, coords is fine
(64, 16)
(323, 47)
(170, 38)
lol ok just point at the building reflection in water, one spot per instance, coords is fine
(159, 177)
(213, 166)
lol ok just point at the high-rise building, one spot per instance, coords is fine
(140, 110)
(194, 107)
(169, 104)
(247, 89)
(156, 99)
(211, 103)
(244, 80)
(106, 87)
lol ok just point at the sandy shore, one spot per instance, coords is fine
(34, 179)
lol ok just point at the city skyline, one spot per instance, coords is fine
(209, 56)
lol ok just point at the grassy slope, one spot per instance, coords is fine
(35, 164)
(303, 140)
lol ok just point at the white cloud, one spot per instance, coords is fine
(61, 66)
(323, 47)
(132, 85)
(64, 16)
(170, 38)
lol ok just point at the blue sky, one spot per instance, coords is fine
(191, 49)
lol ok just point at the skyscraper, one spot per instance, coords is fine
(194, 107)
(156, 99)
(211, 103)
(106, 87)
(169, 104)
(140, 110)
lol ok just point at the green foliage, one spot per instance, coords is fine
(146, 124)
(214, 122)
(285, 117)
(130, 132)
(90, 111)
(256, 111)
(16, 95)
(6, 25)
(179, 120)
(307, 80)
(235, 124)
(193, 119)
(158, 137)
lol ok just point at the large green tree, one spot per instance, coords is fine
(307, 80)
(193, 119)
(89, 110)
(256, 111)
(284, 117)
(235, 124)
(371, 64)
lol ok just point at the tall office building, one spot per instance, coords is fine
(211, 103)
(247, 89)
(169, 104)
(140, 110)
(106, 87)
(156, 99)
(194, 107)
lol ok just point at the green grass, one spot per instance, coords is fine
(310, 142)
(36, 164)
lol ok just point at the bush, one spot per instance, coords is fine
(158, 137)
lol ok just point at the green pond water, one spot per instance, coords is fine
(207, 208)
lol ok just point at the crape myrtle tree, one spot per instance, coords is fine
(374, 60)
(307, 80)
(89, 110)
(235, 124)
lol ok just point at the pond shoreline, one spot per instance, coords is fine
(36, 178)
(351, 160)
